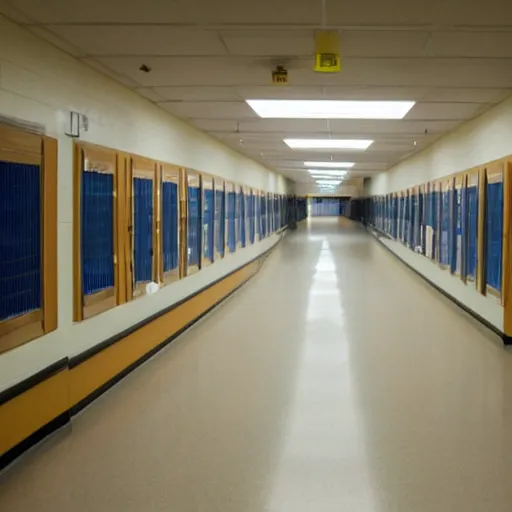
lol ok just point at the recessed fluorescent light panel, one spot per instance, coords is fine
(328, 182)
(328, 143)
(340, 172)
(332, 165)
(330, 109)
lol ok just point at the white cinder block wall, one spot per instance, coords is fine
(486, 138)
(40, 83)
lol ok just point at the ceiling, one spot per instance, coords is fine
(207, 56)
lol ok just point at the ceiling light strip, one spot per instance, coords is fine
(330, 109)
(360, 144)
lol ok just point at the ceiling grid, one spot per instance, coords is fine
(206, 58)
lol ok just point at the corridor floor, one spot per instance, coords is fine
(335, 380)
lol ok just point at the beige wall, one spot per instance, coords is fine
(486, 138)
(476, 142)
(41, 84)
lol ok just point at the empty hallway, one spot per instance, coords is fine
(335, 380)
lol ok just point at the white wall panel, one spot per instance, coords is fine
(39, 83)
(486, 138)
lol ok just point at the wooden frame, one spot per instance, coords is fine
(278, 213)
(143, 168)
(219, 186)
(507, 250)
(459, 188)
(243, 221)
(103, 160)
(247, 194)
(446, 186)
(414, 205)
(437, 189)
(207, 184)
(229, 188)
(18, 146)
(400, 217)
(257, 215)
(495, 173)
(263, 216)
(472, 180)
(194, 180)
(422, 221)
(183, 225)
(506, 253)
(238, 215)
(270, 214)
(168, 174)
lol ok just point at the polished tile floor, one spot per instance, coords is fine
(335, 381)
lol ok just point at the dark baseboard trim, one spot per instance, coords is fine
(33, 380)
(507, 340)
(11, 455)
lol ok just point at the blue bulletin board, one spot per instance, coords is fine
(471, 259)
(394, 216)
(456, 227)
(494, 230)
(415, 220)
(444, 221)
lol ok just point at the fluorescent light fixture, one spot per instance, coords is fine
(330, 109)
(340, 172)
(332, 165)
(328, 143)
(326, 177)
(328, 182)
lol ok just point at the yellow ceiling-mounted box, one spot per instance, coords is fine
(327, 51)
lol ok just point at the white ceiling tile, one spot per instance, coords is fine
(280, 92)
(261, 12)
(391, 43)
(340, 92)
(150, 94)
(284, 125)
(10, 11)
(108, 11)
(195, 71)
(426, 72)
(445, 111)
(470, 44)
(392, 147)
(215, 125)
(388, 93)
(457, 94)
(236, 72)
(381, 127)
(209, 109)
(116, 75)
(376, 13)
(270, 43)
(140, 40)
(395, 50)
(205, 93)
(57, 41)
(461, 13)
(418, 14)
